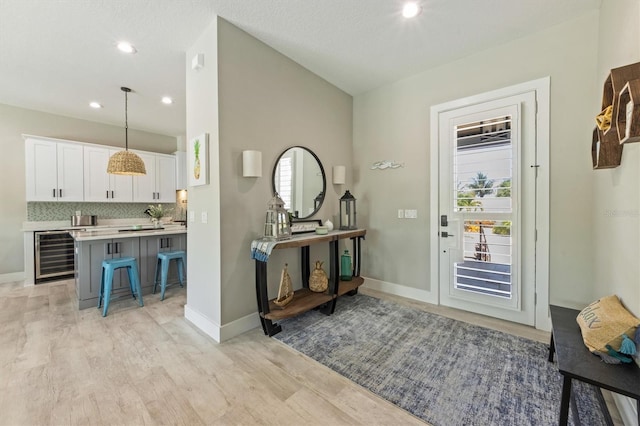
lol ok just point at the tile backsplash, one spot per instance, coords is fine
(52, 211)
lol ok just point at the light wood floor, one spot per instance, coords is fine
(148, 365)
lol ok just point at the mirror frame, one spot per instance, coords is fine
(324, 179)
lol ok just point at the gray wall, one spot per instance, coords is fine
(269, 103)
(203, 239)
(616, 197)
(392, 123)
(248, 96)
(16, 121)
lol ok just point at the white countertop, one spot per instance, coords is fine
(107, 228)
(102, 224)
(123, 232)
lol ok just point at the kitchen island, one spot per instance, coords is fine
(92, 246)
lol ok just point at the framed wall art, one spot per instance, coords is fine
(198, 164)
(300, 226)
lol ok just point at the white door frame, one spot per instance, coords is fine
(542, 88)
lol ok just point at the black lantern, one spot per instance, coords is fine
(348, 211)
(276, 224)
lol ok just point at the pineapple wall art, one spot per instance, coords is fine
(197, 169)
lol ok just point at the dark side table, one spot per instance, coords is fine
(576, 362)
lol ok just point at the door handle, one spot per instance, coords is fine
(54, 193)
(108, 248)
(60, 191)
(112, 196)
(445, 234)
(107, 194)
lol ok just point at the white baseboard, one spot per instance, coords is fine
(239, 326)
(12, 277)
(205, 324)
(225, 332)
(401, 290)
(627, 408)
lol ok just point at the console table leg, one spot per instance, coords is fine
(305, 267)
(564, 404)
(271, 329)
(552, 348)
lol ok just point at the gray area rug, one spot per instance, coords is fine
(443, 371)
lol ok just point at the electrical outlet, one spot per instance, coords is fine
(204, 217)
(411, 214)
(400, 214)
(192, 216)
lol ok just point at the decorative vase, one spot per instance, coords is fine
(346, 271)
(318, 281)
(156, 223)
(329, 225)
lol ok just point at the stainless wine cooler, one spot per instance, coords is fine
(53, 255)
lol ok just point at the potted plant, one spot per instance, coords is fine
(156, 213)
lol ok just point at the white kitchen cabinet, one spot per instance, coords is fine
(181, 169)
(54, 170)
(159, 184)
(98, 184)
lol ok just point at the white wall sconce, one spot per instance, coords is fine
(251, 164)
(339, 175)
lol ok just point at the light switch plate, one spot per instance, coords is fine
(192, 216)
(400, 214)
(204, 217)
(411, 214)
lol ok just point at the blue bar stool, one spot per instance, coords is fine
(163, 262)
(106, 282)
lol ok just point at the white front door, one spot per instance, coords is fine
(487, 208)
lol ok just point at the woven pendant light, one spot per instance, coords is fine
(126, 162)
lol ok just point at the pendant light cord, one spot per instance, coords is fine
(126, 123)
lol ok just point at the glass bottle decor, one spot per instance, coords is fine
(346, 271)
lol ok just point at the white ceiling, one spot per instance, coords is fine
(58, 55)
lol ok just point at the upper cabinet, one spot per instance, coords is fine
(159, 184)
(54, 170)
(60, 170)
(98, 184)
(181, 169)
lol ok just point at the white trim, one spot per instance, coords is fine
(216, 331)
(401, 290)
(239, 326)
(627, 408)
(11, 277)
(541, 87)
(205, 324)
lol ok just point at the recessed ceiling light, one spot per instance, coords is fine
(95, 105)
(126, 47)
(167, 100)
(411, 10)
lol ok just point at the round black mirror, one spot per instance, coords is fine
(298, 177)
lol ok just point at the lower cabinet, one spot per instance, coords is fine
(90, 254)
(149, 249)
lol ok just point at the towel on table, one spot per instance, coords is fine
(261, 249)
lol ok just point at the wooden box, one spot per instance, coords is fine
(606, 151)
(628, 112)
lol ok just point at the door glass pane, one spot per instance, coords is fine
(486, 267)
(482, 173)
(482, 166)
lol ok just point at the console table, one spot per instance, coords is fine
(304, 299)
(576, 362)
